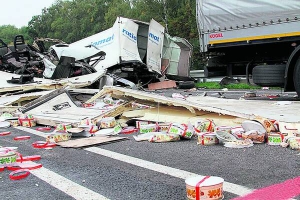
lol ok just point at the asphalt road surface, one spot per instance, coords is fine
(130, 170)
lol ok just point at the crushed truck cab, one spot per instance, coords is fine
(135, 50)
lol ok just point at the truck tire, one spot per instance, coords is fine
(186, 85)
(269, 75)
(296, 77)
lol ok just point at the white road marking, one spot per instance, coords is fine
(228, 187)
(65, 185)
(35, 132)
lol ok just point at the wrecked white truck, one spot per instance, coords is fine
(137, 51)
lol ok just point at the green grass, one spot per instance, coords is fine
(216, 85)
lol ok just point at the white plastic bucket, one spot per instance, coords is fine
(204, 188)
(147, 128)
(275, 139)
(181, 129)
(108, 122)
(139, 123)
(224, 129)
(207, 138)
(164, 127)
(7, 158)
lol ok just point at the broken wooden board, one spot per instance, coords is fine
(9, 109)
(142, 97)
(47, 84)
(114, 112)
(173, 114)
(83, 80)
(281, 111)
(84, 142)
(40, 83)
(100, 94)
(20, 99)
(245, 109)
(134, 113)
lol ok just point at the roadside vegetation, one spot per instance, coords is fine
(216, 85)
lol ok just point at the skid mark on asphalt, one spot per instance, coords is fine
(65, 185)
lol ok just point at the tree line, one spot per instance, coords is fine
(76, 19)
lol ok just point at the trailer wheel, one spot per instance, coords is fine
(269, 75)
(296, 77)
(186, 85)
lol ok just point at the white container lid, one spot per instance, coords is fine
(249, 125)
(104, 132)
(7, 154)
(5, 149)
(148, 125)
(274, 135)
(213, 180)
(229, 127)
(206, 134)
(4, 124)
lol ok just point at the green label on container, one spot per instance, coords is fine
(8, 160)
(274, 139)
(174, 130)
(117, 128)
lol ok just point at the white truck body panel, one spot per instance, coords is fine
(128, 41)
(226, 21)
(155, 46)
(231, 13)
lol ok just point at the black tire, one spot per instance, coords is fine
(186, 85)
(269, 75)
(296, 77)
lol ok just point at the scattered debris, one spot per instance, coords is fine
(229, 80)
(162, 85)
(77, 118)
(249, 94)
(13, 161)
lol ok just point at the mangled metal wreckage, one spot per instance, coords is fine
(130, 52)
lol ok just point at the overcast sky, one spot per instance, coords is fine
(20, 12)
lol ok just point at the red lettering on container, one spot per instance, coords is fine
(216, 35)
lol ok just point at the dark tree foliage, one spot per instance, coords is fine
(72, 20)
